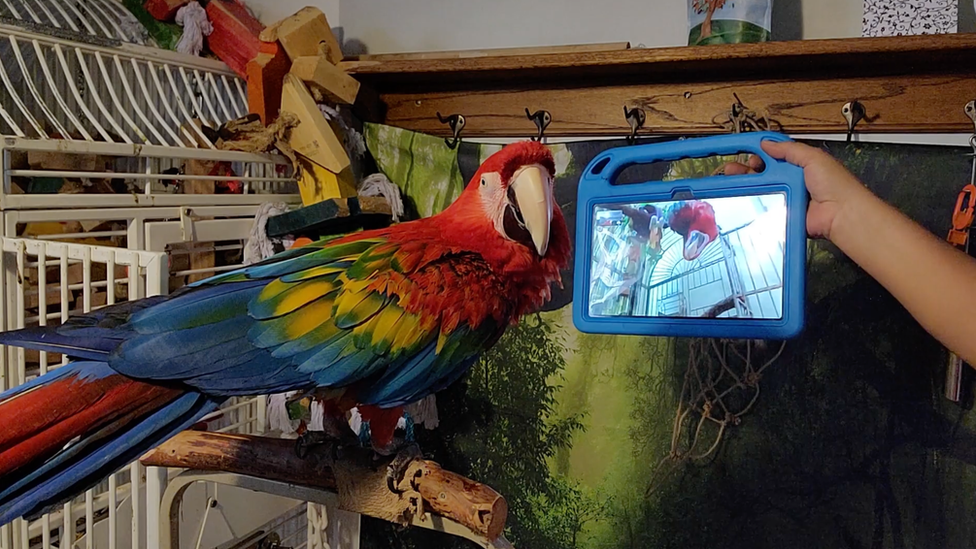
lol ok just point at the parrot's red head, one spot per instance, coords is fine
(695, 221)
(508, 213)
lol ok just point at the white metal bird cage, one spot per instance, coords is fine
(739, 275)
(85, 101)
(695, 288)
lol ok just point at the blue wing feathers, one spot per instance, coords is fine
(204, 306)
(271, 326)
(285, 324)
(44, 339)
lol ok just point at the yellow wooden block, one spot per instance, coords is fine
(316, 71)
(317, 183)
(313, 137)
(307, 32)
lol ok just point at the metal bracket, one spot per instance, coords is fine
(456, 122)
(971, 113)
(853, 112)
(542, 119)
(635, 118)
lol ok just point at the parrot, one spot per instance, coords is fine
(376, 319)
(694, 220)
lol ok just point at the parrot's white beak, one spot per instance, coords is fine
(533, 197)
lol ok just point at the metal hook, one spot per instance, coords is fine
(542, 118)
(456, 122)
(853, 112)
(635, 117)
(971, 113)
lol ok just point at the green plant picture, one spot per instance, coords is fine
(849, 442)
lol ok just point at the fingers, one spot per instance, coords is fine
(756, 162)
(734, 168)
(795, 153)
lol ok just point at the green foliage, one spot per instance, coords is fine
(510, 452)
(498, 427)
(421, 165)
(166, 35)
(727, 31)
(851, 444)
(565, 510)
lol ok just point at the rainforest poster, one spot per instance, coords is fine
(846, 441)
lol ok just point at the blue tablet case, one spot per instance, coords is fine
(597, 186)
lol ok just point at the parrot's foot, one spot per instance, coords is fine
(397, 468)
(321, 443)
(310, 440)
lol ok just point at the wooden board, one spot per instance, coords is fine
(265, 74)
(305, 33)
(313, 138)
(493, 52)
(317, 183)
(199, 260)
(893, 55)
(928, 104)
(317, 72)
(907, 84)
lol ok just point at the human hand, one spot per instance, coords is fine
(834, 191)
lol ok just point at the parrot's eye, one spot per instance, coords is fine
(483, 182)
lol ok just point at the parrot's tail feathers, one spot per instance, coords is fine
(67, 430)
(46, 338)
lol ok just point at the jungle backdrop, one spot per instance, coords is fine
(850, 442)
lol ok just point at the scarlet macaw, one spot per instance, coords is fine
(694, 220)
(376, 319)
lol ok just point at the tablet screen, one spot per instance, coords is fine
(709, 258)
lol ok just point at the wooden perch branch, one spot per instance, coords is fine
(359, 481)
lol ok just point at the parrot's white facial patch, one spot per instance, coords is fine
(493, 198)
(520, 209)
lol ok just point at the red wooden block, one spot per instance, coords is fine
(265, 74)
(164, 10)
(235, 34)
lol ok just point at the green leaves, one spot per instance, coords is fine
(424, 168)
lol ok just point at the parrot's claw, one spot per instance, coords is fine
(308, 440)
(397, 468)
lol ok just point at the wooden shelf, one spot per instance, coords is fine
(907, 84)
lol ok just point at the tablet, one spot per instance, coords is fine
(720, 256)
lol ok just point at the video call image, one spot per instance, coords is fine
(713, 258)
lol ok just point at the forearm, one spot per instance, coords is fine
(935, 282)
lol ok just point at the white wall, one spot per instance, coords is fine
(269, 11)
(388, 26)
(385, 26)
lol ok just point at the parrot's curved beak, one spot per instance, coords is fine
(533, 197)
(695, 243)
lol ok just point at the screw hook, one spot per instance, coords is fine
(542, 119)
(635, 117)
(456, 123)
(971, 113)
(853, 112)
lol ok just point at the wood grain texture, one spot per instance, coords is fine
(362, 60)
(902, 55)
(917, 104)
(907, 84)
(360, 483)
